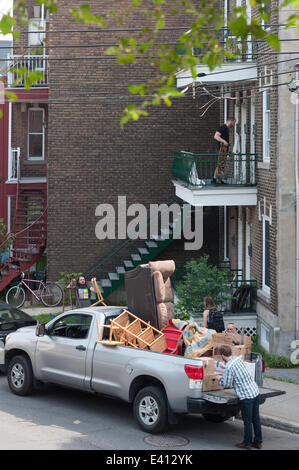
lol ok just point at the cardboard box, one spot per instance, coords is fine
(210, 383)
(236, 351)
(231, 339)
(208, 365)
(239, 351)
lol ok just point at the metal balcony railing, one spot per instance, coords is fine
(242, 49)
(19, 67)
(197, 170)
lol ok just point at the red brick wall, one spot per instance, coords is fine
(91, 159)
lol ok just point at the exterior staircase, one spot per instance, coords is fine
(110, 268)
(29, 234)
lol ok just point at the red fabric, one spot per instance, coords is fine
(173, 338)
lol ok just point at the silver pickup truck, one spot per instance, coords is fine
(160, 386)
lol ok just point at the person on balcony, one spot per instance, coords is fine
(222, 138)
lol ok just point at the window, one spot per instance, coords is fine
(266, 254)
(266, 125)
(36, 36)
(266, 12)
(35, 149)
(72, 326)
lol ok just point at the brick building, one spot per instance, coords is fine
(86, 159)
(258, 234)
(65, 135)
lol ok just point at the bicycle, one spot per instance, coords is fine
(49, 293)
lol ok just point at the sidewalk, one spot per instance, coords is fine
(44, 310)
(282, 412)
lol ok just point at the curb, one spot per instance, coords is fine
(280, 424)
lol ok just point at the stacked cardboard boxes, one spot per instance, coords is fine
(240, 347)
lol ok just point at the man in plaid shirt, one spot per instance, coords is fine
(236, 376)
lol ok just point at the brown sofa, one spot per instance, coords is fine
(149, 292)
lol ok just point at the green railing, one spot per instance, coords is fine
(242, 49)
(197, 170)
(123, 249)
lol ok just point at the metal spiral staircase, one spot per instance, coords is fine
(28, 235)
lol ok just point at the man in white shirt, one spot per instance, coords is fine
(236, 376)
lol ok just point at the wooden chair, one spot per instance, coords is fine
(99, 295)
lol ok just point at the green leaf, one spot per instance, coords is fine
(127, 59)
(112, 50)
(273, 41)
(239, 26)
(11, 96)
(7, 23)
(160, 24)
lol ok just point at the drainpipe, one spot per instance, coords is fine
(297, 203)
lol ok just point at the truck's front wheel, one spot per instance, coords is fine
(20, 375)
(150, 409)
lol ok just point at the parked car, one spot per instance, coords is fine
(11, 319)
(66, 351)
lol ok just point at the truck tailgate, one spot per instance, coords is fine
(228, 395)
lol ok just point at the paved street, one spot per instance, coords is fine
(61, 419)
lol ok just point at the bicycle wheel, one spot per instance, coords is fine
(51, 295)
(15, 296)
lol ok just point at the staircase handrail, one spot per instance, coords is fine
(114, 250)
(15, 235)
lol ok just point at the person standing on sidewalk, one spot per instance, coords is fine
(236, 376)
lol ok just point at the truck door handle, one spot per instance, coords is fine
(81, 348)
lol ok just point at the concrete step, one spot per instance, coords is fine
(128, 264)
(113, 276)
(151, 244)
(136, 257)
(143, 251)
(120, 270)
(105, 283)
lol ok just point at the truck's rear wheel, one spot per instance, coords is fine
(20, 375)
(150, 409)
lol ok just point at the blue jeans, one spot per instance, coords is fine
(251, 418)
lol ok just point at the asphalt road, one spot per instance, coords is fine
(62, 419)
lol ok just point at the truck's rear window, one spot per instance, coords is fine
(106, 331)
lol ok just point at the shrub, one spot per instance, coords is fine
(201, 280)
(65, 278)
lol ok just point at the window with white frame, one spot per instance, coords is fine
(266, 254)
(267, 13)
(36, 134)
(36, 36)
(266, 125)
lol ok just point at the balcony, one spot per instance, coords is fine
(19, 67)
(241, 67)
(193, 175)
